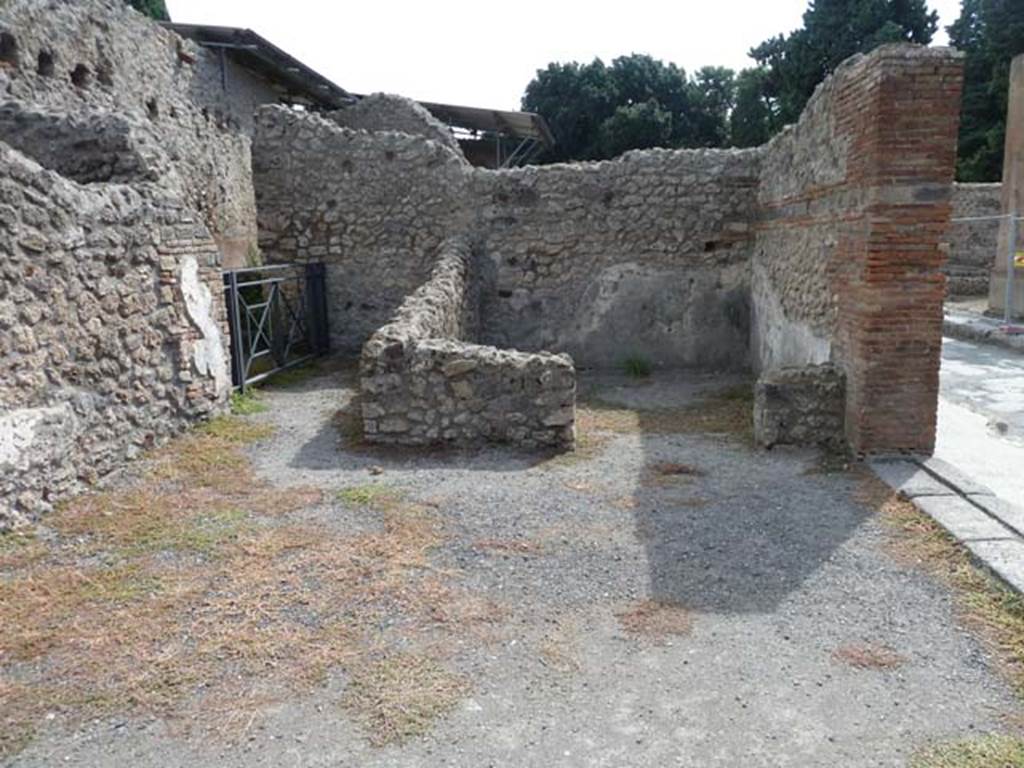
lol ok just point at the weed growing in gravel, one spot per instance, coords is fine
(247, 403)
(984, 752)
(637, 366)
(994, 611)
(401, 695)
(374, 495)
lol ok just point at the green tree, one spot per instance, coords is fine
(832, 31)
(637, 126)
(598, 111)
(754, 118)
(156, 9)
(991, 33)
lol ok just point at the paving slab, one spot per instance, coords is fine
(1007, 513)
(1004, 556)
(909, 479)
(962, 519)
(954, 477)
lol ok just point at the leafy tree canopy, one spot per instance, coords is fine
(991, 33)
(598, 111)
(833, 30)
(156, 9)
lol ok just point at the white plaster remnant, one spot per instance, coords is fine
(208, 353)
(777, 340)
(23, 428)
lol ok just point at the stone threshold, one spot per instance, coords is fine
(991, 528)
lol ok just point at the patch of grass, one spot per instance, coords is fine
(247, 403)
(292, 376)
(655, 619)
(637, 366)
(868, 656)
(401, 695)
(728, 412)
(189, 595)
(992, 751)
(235, 430)
(985, 605)
(19, 547)
(373, 495)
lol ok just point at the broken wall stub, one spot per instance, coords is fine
(855, 207)
(800, 406)
(111, 317)
(388, 112)
(374, 206)
(423, 380)
(95, 84)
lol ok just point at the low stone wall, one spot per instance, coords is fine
(800, 406)
(973, 244)
(111, 318)
(422, 381)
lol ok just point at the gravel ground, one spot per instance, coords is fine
(776, 565)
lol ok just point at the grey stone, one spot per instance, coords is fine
(909, 479)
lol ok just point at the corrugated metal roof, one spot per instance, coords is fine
(257, 53)
(302, 83)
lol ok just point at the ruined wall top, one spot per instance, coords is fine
(389, 112)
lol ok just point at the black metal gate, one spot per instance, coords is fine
(278, 319)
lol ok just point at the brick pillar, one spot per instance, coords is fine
(901, 115)
(1013, 197)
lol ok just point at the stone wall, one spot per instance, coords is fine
(105, 82)
(374, 206)
(110, 329)
(972, 244)
(388, 112)
(800, 406)
(646, 255)
(854, 210)
(641, 256)
(423, 381)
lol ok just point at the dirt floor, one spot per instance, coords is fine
(268, 592)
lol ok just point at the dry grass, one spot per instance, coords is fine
(984, 752)
(401, 695)
(655, 619)
(559, 648)
(987, 606)
(868, 656)
(190, 595)
(727, 413)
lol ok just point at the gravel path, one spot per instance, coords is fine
(775, 566)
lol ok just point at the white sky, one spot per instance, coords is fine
(484, 54)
